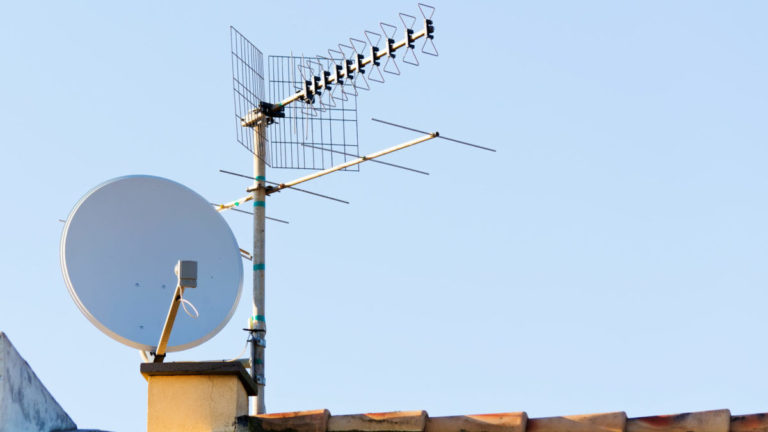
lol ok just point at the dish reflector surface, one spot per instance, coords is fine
(118, 251)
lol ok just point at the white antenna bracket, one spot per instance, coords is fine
(186, 272)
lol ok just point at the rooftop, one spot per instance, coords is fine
(420, 421)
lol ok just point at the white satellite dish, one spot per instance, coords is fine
(118, 251)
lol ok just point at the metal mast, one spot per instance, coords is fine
(258, 325)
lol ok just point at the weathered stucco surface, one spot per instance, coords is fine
(25, 404)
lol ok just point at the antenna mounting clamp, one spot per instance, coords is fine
(272, 110)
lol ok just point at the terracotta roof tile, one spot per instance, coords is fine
(402, 421)
(300, 421)
(502, 422)
(608, 422)
(750, 423)
(704, 421)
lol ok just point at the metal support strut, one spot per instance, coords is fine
(186, 272)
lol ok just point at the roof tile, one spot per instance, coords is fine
(704, 421)
(300, 421)
(501, 422)
(398, 421)
(606, 422)
(750, 423)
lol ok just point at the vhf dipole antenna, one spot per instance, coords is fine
(320, 78)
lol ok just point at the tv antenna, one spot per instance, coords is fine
(121, 245)
(311, 123)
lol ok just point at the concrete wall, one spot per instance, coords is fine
(25, 404)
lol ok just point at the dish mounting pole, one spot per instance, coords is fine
(249, 93)
(258, 325)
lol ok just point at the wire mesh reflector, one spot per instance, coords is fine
(248, 85)
(314, 135)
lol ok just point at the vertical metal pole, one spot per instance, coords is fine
(258, 320)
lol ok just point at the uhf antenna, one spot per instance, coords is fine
(311, 123)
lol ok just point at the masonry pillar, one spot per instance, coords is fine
(196, 396)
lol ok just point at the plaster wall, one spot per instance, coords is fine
(195, 403)
(25, 403)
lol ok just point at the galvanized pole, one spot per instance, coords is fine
(258, 322)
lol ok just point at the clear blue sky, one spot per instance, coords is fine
(611, 256)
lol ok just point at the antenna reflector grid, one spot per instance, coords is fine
(248, 88)
(314, 134)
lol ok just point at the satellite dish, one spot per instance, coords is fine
(118, 251)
